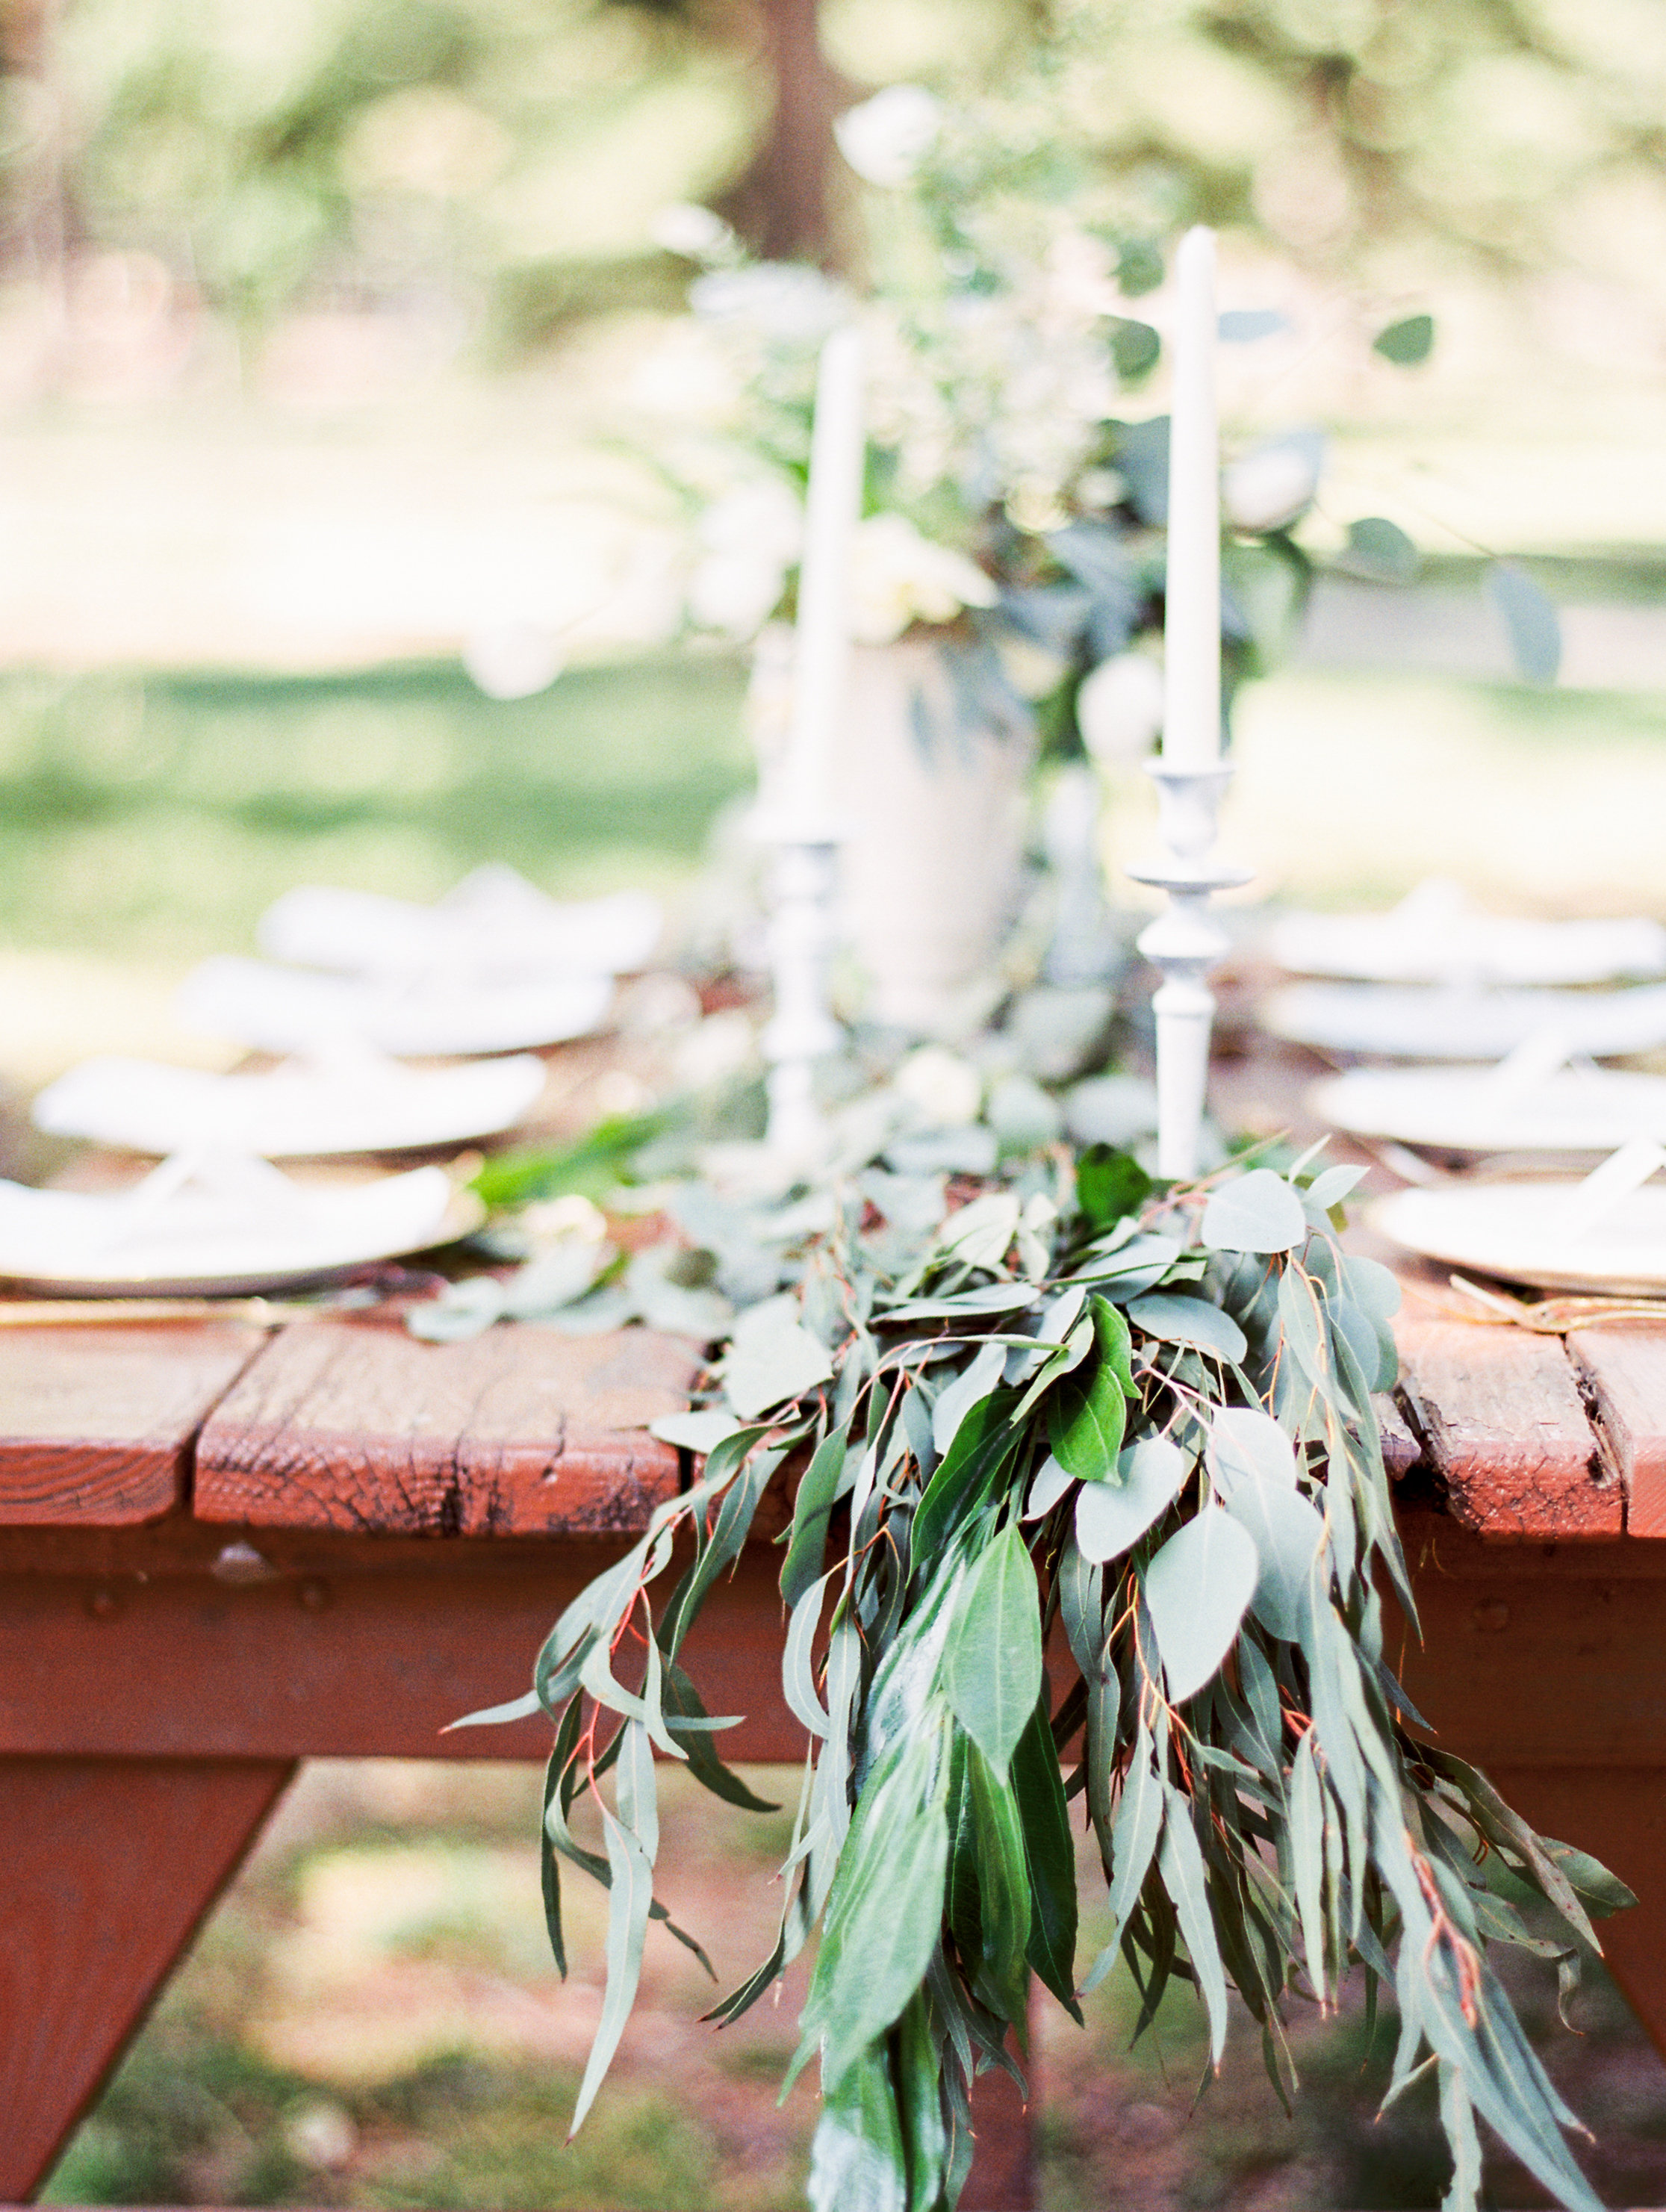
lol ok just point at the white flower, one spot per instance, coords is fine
(1029, 668)
(947, 1090)
(691, 378)
(555, 1220)
(886, 138)
(512, 659)
(764, 517)
(1271, 486)
(779, 299)
(898, 577)
(692, 231)
(1097, 490)
(750, 537)
(1119, 710)
(734, 592)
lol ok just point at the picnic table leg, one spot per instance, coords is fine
(1619, 1813)
(109, 1866)
(1003, 2175)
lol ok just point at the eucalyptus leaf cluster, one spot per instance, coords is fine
(1089, 1524)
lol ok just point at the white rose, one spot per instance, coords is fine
(898, 577)
(694, 232)
(886, 138)
(947, 1090)
(1271, 486)
(1119, 710)
(765, 518)
(750, 537)
(735, 592)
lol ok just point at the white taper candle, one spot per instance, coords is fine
(1191, 715)
(838, 447)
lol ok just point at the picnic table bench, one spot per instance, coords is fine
(224, 1549)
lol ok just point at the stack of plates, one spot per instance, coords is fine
(1512, 1003)
(357, 1103)
(210, 1224)
(495, 967)
(1521, 1230)
(1584, 1110)
(1435, 936)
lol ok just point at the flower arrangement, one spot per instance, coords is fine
(1054, 1394)
(1013, 514)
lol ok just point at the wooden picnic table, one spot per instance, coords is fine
(223, 1550)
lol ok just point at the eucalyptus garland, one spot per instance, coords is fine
(1142, 1415)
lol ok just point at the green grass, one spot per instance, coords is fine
(156, 817)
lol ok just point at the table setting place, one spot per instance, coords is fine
(377, 1027)
(1526, 1158)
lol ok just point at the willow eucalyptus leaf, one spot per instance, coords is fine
(630, 1893)
(857, 2160)
(1179, 1863)
(991, 1668)
(772, 1358)
(1254, 1212)
(1112, 1515)
(700, 1432)
(967, 1390)
(1247, 1445)
(1287, 1534)
(1174, 1319)
(1049, 1485)
(1198, 1589)
(1085, 1422)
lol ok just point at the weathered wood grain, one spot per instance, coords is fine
(1501, 1418)
(344, 1664)
(356, 1425)
(1624, 1368)
(96, 1424)
(1401, 1448)
(110, 1864)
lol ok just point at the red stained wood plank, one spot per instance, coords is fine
(1519, 1669)
(1624, 1369)
(96, 1423)
(1501, 1418)
(357, 1425)
(109, 1866)
(335, 1663)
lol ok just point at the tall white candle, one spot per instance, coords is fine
(1191, 714)
(838, 447)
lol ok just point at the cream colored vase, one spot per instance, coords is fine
(936, 814)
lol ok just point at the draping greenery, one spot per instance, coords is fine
(1134, 1423)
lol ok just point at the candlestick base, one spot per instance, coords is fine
(1185, 941)
(803, 880)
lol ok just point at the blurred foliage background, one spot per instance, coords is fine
(494, 165)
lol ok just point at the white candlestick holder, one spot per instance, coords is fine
(1184, 943)
(803, 888)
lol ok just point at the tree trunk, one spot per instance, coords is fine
(781, 205)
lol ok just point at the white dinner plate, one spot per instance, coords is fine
(357, 1103)
(1396, 1022)
(285, 1010)
(216, 1225)
(494, 924)
(1469, 1109)
(1435, 936)
(1517, 1230)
